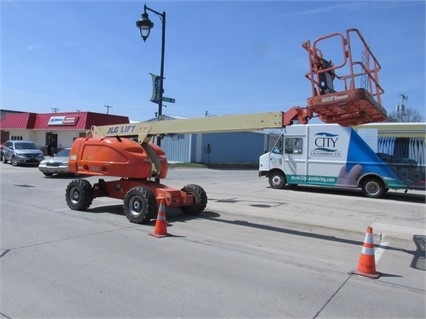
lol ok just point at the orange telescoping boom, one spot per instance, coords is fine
(125, 150)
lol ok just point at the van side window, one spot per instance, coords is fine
(293, 145)
(278, 147)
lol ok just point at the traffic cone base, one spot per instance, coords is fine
(158, 236)
(367, 263)
(160, 229)
(372, 276)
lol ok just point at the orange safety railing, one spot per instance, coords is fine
(335, 95)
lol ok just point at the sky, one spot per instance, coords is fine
(221, 57)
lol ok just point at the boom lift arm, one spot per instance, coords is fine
(231, 123)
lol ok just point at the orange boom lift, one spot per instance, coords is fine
(125, 151)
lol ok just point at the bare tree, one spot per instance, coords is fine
(402, 114)
(409, 115)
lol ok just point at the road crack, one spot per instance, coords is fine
(332, 296)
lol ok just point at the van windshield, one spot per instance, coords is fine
(278, 147)
(25, 146)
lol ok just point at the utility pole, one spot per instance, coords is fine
(55, 109)
(108, 107)
(400, 107)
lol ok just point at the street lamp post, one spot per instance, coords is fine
(145, 25)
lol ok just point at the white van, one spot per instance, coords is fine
(328, 155)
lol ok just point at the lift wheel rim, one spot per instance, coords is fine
(135, 206)
(75, 195)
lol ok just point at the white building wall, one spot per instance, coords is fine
(27, 135)
(65, 138)
(38, 138)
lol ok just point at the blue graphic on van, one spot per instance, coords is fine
(325, 149)
(326, 134)
(359, 153)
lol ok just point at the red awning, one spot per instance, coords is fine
(18, 121)
(59, 121)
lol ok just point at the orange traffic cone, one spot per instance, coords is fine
(367, 262)
(160, 229)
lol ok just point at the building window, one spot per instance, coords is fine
(16, 138)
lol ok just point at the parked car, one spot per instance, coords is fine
(57, 164)
(21, 153)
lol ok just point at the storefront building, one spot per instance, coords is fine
(57, 130)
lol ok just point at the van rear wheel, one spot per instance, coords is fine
(277, 180)
(373, 187)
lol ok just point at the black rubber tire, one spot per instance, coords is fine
(4, 159)
(373, 187)
(47, 174)
(277, 180)
(200, 199)
(140, 205)
(79, 194)
(13, 161)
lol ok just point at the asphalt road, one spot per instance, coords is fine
(255, 252)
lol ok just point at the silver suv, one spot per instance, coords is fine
(22, 153)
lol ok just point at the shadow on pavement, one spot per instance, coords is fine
(176, 215)
(403, 197)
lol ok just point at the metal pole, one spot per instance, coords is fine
(163, 44)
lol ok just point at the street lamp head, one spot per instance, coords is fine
(145, 25)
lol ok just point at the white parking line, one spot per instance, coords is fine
(379, 251)
(399, 231)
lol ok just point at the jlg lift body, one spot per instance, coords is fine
(125, 151)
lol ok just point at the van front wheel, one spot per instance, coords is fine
(277, 180)
(373, 187)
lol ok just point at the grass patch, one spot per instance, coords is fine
(187, 165)
(214, 166)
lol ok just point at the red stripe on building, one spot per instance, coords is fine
(72, 120)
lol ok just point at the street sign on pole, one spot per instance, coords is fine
(168, 99)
